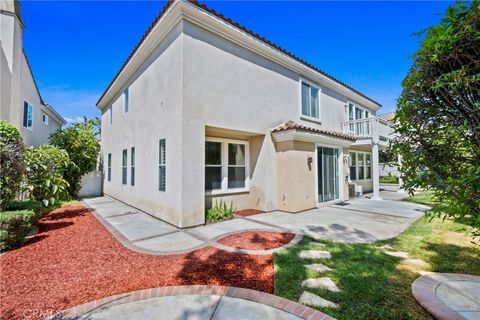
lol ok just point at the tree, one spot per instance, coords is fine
(11, 162)
(45, 167)
(80, 142)
(438, 114)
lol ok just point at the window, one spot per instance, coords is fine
(132, 166)
(109, 167)
(162, 166)
(353, 166)
(368, 166)
(125, 101)
(110, 114)
(27, 115)
(124, 166)
(213, 165)
(360, 166)
(44, 118)
(310, 101)
(226, 165)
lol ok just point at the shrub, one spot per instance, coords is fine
(80, 142)
(14, 226)
(44, 171)
(11, 162)
(220, 212)
(388, 179)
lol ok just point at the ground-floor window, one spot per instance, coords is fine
(162, 165)
(226, 165)
(124, 166)
(109, 167)
(360, 166)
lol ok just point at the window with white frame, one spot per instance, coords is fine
(162, 165)
(45, 118)
(360, 166)
(132, 166)
(27, 115)
(110, 114)
(226, 165)
(109, 167)
(125, 101)
(124, 166)
(310, 101)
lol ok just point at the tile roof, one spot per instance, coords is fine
(387, 116)
(291, 125)
(237, 25)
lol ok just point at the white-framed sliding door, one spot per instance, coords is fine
(329, 173)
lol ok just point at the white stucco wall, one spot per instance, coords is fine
(194, 80)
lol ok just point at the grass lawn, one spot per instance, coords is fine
(377, 286)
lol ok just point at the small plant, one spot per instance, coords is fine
(388, 179)
(220, 211)
(14, 226)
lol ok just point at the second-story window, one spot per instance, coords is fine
(45, 118)
(110, 115)
(125, 101)
(27, 115)
(310, 101)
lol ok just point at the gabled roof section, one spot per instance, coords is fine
(387, 116)
(243, 29)
(291, 125)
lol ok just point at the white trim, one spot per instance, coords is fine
(33, 110)
(341, 174)
(225, 166)
(316, 86)
(45, 116)
(357, 166)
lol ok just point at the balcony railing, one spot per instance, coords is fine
(369, 128)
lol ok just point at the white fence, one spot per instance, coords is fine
(91, 185)
(388, 170)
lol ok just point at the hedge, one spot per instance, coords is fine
(14, 226)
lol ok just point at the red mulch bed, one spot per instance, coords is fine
(257, 240)
(247, 212)
(74, 259)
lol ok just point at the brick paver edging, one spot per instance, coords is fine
(283, 304)
(424, 290)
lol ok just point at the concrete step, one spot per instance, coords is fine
(311, 299)
(315, 254)
(324, 283)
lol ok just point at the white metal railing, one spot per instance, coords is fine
(368, 128)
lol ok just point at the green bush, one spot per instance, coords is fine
(44, 171)
(23, 205)
(220, 212)
(14, 226)
(11, 162)
(388, 179)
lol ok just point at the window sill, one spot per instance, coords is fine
(311, 119)
(229, 191)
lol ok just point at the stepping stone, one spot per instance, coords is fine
(398, 254)
(315, 254)
(324, 283)
(318, 244)
(385, 247)
(414, 262)
(316, 301)
(318, 267)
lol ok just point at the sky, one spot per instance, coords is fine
(76, 48)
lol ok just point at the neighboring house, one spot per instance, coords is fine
(20, 101)
(205, 110)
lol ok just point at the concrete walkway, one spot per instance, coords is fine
(449, 296)
(359, 221)
(194, 302)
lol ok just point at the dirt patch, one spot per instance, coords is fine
(74, 259)
(257, 240)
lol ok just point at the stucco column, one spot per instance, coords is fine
(400, 180)
(375, 172)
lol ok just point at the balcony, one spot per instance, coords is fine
(370, 129)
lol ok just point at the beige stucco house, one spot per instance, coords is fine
(20, 101)
(204, 109)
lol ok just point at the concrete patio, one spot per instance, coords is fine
(358, 221)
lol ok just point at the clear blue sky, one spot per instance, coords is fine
(76, 48)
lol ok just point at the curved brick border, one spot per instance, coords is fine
(424, 290)
(210, 243)
(283, 304)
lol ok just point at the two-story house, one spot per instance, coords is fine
(20, 101)
(205, 110)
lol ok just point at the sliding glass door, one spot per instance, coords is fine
(328, 177)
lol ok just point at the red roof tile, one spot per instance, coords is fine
(237, 25)
(291, 125)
